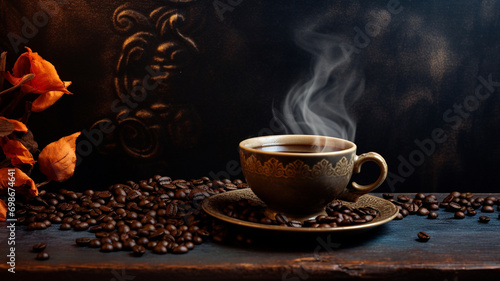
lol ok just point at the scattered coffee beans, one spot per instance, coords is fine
(338, 214)
(461, 204)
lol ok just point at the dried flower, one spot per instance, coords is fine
(31, 74)
(46, 82)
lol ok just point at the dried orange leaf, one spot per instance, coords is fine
(6, 128)
(58, 159)
(46, 100)
(17, 152)
(3, 211)
(18, 125)
(19, 181)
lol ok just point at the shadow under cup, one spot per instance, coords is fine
(298, 175)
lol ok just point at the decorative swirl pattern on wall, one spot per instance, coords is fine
(154, 56)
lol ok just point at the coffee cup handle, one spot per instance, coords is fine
(379, 160)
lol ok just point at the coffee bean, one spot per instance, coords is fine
(42, 256)
(109, 227)
(81, 226)
(151, 245)
(484, 219)
(123, 228)
(423, 211)
(181, 249)
(489, 201)
(412, 208)
(47, 223)
(459, 215)
(39, 225)
(423, 237)
(404, 212)
(106, 240)
(448, 199)
(65, 226)
(403, 198)
(453, 206)
(107, 247)
(129, 244)
(117, 246)
(189, 245)
(420, 196)
(160, 249)
(101, 234)
(465, 202)
(138, 250)
(294, 223)
(83, 241)
(433, 207)
(143, 241)
(55, 220)
(444, 205)
(38, 247)
(471, 211)
(281, 219)
(432, 215)
(171, 210)
(180, 194)
(487, 209)
(368, 218)
(105, 209)
(95, 243)
(492, 199)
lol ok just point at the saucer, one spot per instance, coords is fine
(215, 205)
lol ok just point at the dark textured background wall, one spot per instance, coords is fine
(225, 64)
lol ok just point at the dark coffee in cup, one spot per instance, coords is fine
(298, 148)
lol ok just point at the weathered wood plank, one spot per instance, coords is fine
(458, 250)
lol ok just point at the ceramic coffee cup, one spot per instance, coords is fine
(298, 175)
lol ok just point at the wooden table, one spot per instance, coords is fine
(458, 250)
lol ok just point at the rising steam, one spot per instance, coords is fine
(319, 104)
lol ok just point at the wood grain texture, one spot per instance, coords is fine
(458, 250)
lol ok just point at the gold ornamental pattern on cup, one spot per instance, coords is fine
(298, 169)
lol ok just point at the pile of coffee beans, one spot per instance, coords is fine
(159, 214)
(338, 214)
(460, 204)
